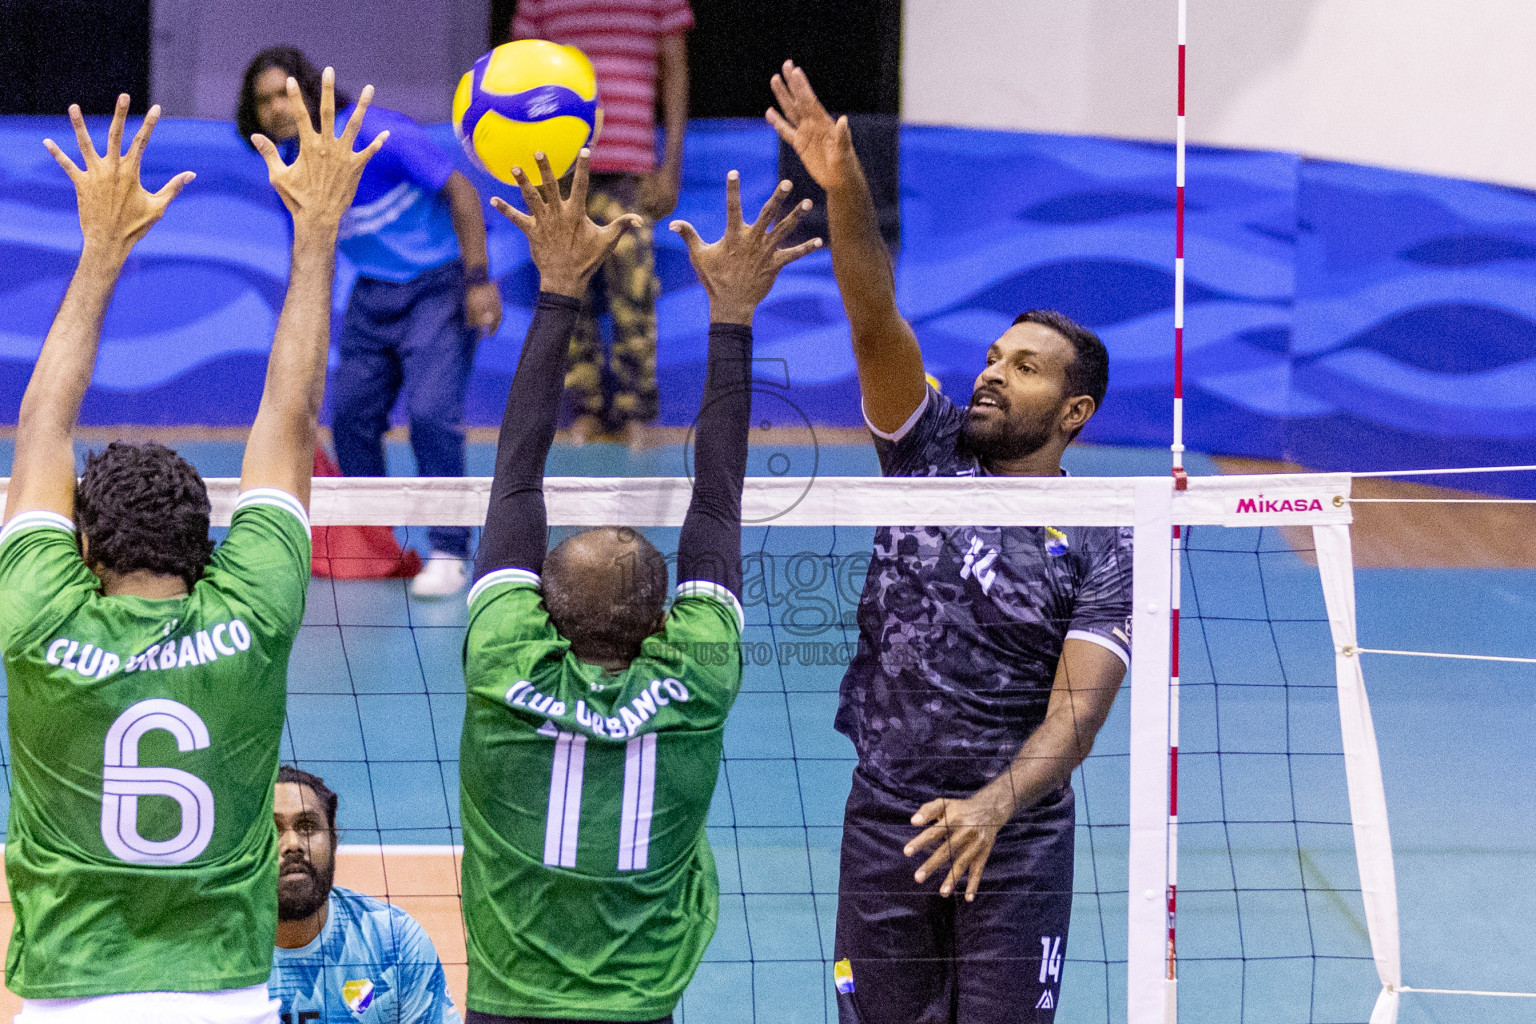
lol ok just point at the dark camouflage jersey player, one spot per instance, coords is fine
(961, 627)
(987, 660)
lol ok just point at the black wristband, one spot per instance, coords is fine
(478, 275)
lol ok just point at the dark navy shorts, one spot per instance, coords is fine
(915, 957)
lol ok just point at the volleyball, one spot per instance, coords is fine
(524, 97)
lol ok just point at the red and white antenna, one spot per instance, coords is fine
(1181, 481)
(1178, 270)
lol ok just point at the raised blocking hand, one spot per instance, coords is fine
(115, 209)
(567, 246)
(739, 270)
(824, 146)
(319, 185)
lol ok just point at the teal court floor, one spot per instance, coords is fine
(1271, 925)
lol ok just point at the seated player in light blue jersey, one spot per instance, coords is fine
(423, 296)
(595, 714)
(342, 957)
(147, 670)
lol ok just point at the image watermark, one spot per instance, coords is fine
(775, 417)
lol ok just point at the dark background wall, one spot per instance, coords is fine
(852, 48)
(58, 52)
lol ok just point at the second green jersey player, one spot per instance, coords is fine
(146, 670)
(595, 719)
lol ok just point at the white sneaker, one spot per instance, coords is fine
(443, 576)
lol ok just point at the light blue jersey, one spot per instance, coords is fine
(370, 964)
(399, 226)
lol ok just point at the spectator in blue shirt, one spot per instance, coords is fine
(423, 297)
(342, 957)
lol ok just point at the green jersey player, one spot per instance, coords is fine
(146, 670)
(593, 730)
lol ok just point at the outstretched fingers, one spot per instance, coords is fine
(614, 230)
(269, 153)
(115, 132)
(296, 97)
(690, 237)
(549, 187)
(784, 257)
(806, 101)
(63, 160)
(770, 208)
(784, 128)
(781, 93)
(328, 103)
(83, 137)
(512, 213)
(733, 220)
(784, 227)
(141, 137)
(581, 178)
(373, 147)
(171, 189)
(355, 122)
(532, 198)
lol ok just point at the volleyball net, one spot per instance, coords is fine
(1265, 920)
(1233, 858)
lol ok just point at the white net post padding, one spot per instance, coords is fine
(1362, 769)
(1147, 912)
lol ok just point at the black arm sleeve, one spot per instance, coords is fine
(515, 523)
(710, 545)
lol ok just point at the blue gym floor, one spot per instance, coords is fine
(376, 709)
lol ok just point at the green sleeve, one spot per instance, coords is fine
(263, 565)
(510, 635)
(42, 577)
(703, 635)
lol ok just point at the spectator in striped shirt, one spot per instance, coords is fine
(639, 49)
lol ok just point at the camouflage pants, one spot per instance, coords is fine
(621, 388)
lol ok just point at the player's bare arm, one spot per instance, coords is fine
(890, 363)
(115, 212)
(961, 832)
(317, 188)
(482, 299)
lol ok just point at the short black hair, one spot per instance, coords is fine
(610, 622)
(143, 507)
(1088, 373)
(328, 799)
(298, 67)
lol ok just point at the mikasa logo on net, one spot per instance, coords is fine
(1259, 503)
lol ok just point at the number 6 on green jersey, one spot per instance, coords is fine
(123, 782)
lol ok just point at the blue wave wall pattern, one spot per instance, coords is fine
(1341, 316)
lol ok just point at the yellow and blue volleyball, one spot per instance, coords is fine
(524, 97)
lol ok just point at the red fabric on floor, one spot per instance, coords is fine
(358, 552)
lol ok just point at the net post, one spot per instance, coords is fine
(1362, 770)
(1180, 483)
(1178, 261)
(1147, 990)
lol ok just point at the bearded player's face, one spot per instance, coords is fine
(1020, 396)
(305, 849)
